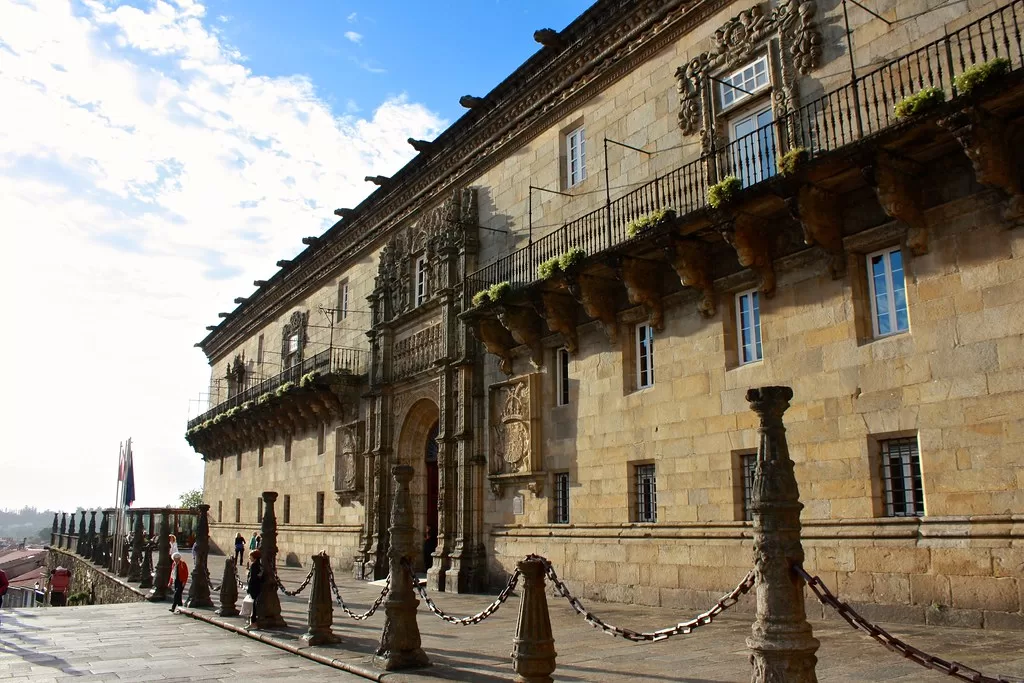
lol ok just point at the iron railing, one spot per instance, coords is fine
(328, 361)
(853, 112)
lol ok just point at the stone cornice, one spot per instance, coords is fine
(605, 43)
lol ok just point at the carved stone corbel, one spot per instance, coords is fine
(755, 248)
(536, 487)
(526, 327)
(899, 194)
(498, 489)
(495, 338)
(689, 258)
(597, 296)
(991, 144)
(559, 312)
(643, 287)
(818, 213)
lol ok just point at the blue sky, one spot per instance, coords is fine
(157, 156)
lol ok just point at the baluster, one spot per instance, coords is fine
(984, 47)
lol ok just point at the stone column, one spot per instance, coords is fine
(53, 530)
(400, 640)
(782, 644)
(228, 589)
(123, 561)
(135, 566)
(99, 546)
(63, 529)
(267, 609)
(199, 590)
(71, 532)
(533, 648)
(163, 561)
(90, 537)
(80, 544)
(321, 604)
(147, 566)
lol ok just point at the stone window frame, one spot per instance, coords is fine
(238, 510)
(221, 473)
(744, 461)
(343, 297)
(570, 136)
(321, 438)
(638, 471)
(563, 395)
(872, 303)
(879, 492)
(286, 509)
(259, 350)
(288, 448)
(320, 507)
(643, 361)
(238, 461)
(560, 512)
(259, 510)
(738, 322)
(858, 247)
(220, 511)
(259, 456)
(421, 280)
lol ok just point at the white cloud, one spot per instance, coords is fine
(352, 18)
(146, 178)
(356, 38)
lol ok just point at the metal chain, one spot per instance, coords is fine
(302, 587)
(954, 669)
(421, 588)
(680, 629)
(373, 608)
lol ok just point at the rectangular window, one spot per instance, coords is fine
(259, 351)
(342, 300)
(562, 383)
(259, 510)
(291, 356)
(744, 82)
(748, 464)
(751, 154)
(259, 457)
(561, 498)
(238, 510)
(320, 507)
(288, 448)
(644, 356)
(421, 280)
(748, 326)
(901, 478)
(646, 494)
(575, 157)
(238, 462)
(222, 465)
(321, 438)
(220, 510)
(286, 509)
(888, 292)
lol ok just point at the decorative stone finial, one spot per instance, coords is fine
(321, 604)
(533, 648)
(222, 314)
(266, 611)
(549, 37)
(471, 102)
(209, 328)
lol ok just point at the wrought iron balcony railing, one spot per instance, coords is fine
(337, 360)
(851, 113)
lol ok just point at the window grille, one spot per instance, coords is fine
(259, 510)
(286, 510)
(748, 464)
(562, 498)
(563, 377)
(288, 448)
(646, 494)
(320, 507)
(901, 478)
(238, 510)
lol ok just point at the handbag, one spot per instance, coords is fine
(247, 604)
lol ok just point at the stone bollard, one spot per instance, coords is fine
(533, 649)
(400, 640)
(163, 561)
(146, 580)
(135, 565)
(100, 545)
(71, 532)
(199, 590)
(90, 537)
(782, 644)
(63, 529)
(53, 530)
(228, 590)
(321, 604)
(80, 541)
(123, 562)
(267, 609)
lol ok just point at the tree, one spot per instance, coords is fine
(191, 499)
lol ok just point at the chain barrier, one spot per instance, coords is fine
(680, 629)
(373, 608)
(891, 642)
(302, 587)
(421, 588)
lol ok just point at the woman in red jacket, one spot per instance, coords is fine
(178, 579)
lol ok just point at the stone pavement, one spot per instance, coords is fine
(713, 653)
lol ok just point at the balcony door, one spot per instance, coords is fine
(752, 146)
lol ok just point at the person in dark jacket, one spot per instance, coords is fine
(239, 548)
(254, 584)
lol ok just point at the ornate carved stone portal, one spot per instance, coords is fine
(817, 211)
(755, 248)
(690, 260)
(899, 193)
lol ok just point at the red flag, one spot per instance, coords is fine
(121, 464)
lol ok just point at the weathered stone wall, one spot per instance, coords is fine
(86, 577)
(297, 542)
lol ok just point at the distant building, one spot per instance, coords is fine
(592, 409)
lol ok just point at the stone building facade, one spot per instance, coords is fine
(729, 184)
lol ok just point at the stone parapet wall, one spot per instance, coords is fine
(297, 543)
(86, 577)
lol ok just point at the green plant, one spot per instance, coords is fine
(790, 161)
(548, 268)
(79, 598)
(919, 102)
(573, 257)
(481, 298)
(978, 75)
(284, 389)
(499, 291)
(638, 225)
(246, 406)
(724, 191)
(263, 400)
(308, 378)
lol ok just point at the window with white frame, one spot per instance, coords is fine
(888, 292)
(575, 158)
(342, 300)
(562, 377)
(748, 326)
(561, 498)
(751, 151)
(744, 82)
(901, 478)
(644, 356)
(292, 350)
(646, 494)
(421, 280)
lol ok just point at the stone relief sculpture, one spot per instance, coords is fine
(512, 436)
(348, 462)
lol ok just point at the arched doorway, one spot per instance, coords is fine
(417, 446)
(430, 513)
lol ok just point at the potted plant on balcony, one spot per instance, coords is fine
(978, 75)
(548, 269)
(649, 221)
(724, 191)
(790, 162)
(921, 102)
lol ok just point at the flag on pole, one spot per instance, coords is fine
(120, 463)
(129, 477)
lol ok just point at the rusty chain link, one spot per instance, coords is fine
(680, 629)
(373, 608)
(891, 642)
(302, 587)
(421, 588)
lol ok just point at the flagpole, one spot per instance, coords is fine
(116, 549)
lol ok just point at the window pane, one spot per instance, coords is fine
(899, 291)
(881, 302)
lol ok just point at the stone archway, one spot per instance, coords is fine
(418, 428)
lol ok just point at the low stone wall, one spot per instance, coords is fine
(296, 543)
(86, 577)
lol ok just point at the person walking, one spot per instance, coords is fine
(177, 580)
(60, 581)
(174, 543)
(253, 585)
(239, 548)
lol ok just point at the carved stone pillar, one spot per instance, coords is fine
(199, 590)
(267, 609)
(90, 537)
(147, 566)
(228, 590)
(53, 530)
(135, 566)
(163, 561)
(533, 648)
(71, 532)
(99, 549)
(63, 529)
(400, 640)
(80, 543)
(321, 605)
(782, 644)
(123, 560)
